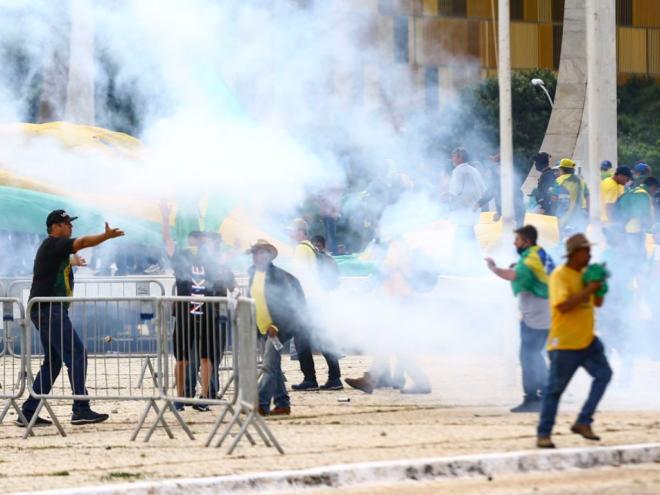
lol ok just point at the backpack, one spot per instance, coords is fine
(328, 270)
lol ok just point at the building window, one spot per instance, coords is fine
(557, 10)
(455, 8)
(401, 39)
(557, 35)
(624, 12)
(431, 85)
(517, 10)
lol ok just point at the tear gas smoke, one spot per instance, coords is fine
(257, 103)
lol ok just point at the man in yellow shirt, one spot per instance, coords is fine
(572, 342)
(611, 189)
(281, 312)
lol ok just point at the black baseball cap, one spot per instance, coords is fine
(625, 171)
(58, 216)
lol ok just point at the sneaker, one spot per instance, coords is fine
(527, 406)
(332, 385)
(88, 417)
(280, 411)
(585, 431)
(179, 406)
(544, 443)
(364, 383)
(305, 386)
(201, 407)
(39, 422)
(262, 411)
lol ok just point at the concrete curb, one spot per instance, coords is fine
(344, 475)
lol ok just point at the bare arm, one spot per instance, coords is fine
(505, 273)
(579, 298)
(94, 240)
(167, 237)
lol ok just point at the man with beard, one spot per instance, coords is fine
(529, 280)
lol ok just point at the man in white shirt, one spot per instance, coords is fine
(466, 188)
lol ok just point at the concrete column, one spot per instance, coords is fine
(566, 120)
(506, 132)
(601, 96)
(80, 88)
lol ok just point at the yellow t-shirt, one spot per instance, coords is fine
(304, 254)
(395, 264)
(610, 191)
(573, 330)
(258, 291)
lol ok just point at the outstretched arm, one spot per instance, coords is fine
(94, 240)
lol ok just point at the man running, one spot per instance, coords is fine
(53, 277)
(572, 342)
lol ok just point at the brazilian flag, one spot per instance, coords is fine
(533, 271)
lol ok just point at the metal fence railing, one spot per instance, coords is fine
(12, 366)
(168, 352)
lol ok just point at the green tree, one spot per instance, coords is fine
(639, 127)
(530, 112)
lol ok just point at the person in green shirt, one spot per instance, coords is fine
(635, 215)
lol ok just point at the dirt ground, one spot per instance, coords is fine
(467, 413)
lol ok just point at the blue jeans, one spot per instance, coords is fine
(271, 385)
(532, 360)
(563, 365)
(60, 343)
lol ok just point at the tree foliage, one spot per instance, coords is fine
(638, 125)
(530, 110)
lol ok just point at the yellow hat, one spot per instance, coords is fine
(566, 163)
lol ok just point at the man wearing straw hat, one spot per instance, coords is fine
(281, 313)
(575, 288)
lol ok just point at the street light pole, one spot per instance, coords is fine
(506, 131)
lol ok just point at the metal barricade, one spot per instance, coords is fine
(183, 326)
(196, 361)
(12, 366)
(114, 367)
(130, 286)
(245, 410)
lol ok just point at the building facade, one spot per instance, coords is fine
(447, 42)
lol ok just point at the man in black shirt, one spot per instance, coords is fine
(53, 277)
(199, 334)
(546, 183)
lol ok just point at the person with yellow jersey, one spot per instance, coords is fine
(571, 198)
(281, 312)
(572, 342)
(611, 189)
(305, 268)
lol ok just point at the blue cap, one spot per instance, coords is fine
(605, 165)
(642, 168)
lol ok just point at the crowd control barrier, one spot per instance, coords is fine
(12, 367)
(182, 331)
